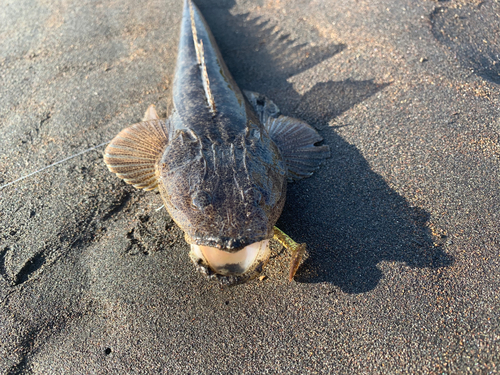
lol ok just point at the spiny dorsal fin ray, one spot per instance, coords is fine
(262, 105)
(134, 153)
(151, 114)
(206, 81)
(295, 138)
(195, 34)
(200, 56)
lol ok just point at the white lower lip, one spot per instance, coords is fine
(219, 260)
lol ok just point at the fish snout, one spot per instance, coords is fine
(231, 267)
(226, 243)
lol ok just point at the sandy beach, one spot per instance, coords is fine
(401, 223)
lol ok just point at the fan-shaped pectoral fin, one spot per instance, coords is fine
(134, 153)
(297, 142)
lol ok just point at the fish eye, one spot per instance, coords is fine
(200, 199)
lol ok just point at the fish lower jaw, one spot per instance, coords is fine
(231, 268)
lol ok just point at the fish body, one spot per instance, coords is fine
(222, 176)
(221, 160)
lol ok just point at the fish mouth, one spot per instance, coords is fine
(231, 268)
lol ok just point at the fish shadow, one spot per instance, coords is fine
(349, 217)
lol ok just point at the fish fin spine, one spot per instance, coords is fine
(262, 105)
(206, 81)
(200, 57)
(151, 114)
(195, 34)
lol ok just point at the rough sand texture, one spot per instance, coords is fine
(402, 223)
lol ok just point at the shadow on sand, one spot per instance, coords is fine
(349, 217)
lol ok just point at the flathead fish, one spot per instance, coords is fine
(221, 160)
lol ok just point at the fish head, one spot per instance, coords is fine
(226, 197)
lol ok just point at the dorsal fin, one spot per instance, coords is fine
(195, 34)
(200, 56)
(206, 81)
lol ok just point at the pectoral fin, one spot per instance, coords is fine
(295, 138)
(297, 142)
(133, 154)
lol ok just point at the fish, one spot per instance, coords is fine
(221, 161)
